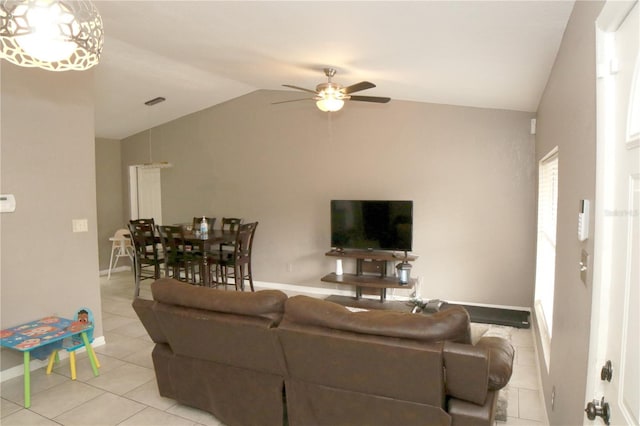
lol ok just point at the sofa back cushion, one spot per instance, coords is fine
(451, 324)
(231, 328)
(268, 304)
(341, 358)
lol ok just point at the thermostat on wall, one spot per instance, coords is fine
(7, 203)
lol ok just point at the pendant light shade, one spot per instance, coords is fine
(56, 35)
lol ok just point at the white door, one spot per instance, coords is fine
(615, 324)
(146, 194)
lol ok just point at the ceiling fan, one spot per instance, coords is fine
(330, 96)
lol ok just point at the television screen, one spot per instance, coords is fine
(371, 225)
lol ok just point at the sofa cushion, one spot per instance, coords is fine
(451, 324)
(267, 304)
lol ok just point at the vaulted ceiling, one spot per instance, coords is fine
(196, 54)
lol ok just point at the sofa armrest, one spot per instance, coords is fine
(466, 372)
(501, 355)
(144, 309)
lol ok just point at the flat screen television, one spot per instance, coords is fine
(372, 225)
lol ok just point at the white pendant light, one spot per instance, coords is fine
(56, 35)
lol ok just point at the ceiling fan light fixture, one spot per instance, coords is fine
(56, 35)
(330, 104)
(330, 96)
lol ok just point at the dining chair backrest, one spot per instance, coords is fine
(146, 253)
(144, 244)
(150, 221)
(211, 221)
(173, 245)
(172, 239)
(230, 223)
(244, 243)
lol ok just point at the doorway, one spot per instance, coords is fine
(145, 192)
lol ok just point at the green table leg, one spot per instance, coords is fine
(27, 380)
(87, 346)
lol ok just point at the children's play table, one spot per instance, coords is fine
(41, 335)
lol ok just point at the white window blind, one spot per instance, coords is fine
(546, 254)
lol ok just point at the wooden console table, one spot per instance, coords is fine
(371, 271)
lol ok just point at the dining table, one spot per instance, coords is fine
(205, 242)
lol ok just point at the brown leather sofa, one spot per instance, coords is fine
(217, 350)
(233, 354)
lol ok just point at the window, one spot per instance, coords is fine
(546, 255)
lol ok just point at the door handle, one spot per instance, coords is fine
(607, 371)
(595, 409)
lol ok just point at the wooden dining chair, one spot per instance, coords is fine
(147, 259)
(236, 264)
(178, 259)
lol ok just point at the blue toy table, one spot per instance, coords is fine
(38, 336)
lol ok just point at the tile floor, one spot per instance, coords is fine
(126, 394)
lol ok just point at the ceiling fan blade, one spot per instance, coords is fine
(363, 85)
(301, 88)
(291, 100)
(377, 99)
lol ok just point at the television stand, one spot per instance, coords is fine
(371, 271)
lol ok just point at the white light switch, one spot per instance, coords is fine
(80, 225)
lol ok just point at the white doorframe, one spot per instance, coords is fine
(610, 19)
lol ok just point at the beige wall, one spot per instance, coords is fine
(109, 198)
(567, 119)
(47, 161)
(469, 171)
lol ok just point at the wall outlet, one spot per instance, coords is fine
(80, 225)
(289, 267)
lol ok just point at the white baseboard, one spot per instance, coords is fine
(18, 370)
